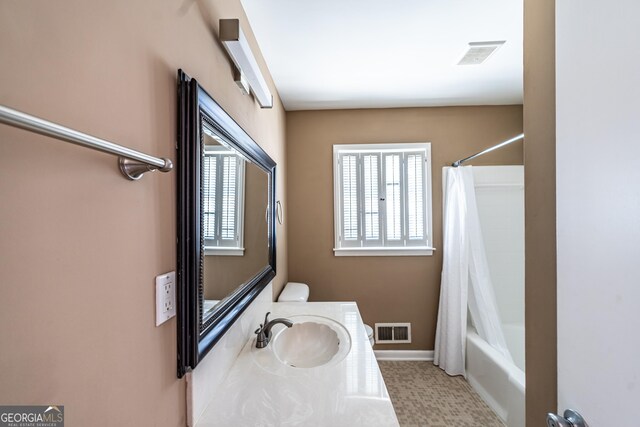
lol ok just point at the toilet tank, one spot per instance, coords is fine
(294, 292)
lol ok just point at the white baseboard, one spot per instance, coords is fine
(425, 355)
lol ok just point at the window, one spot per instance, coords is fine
(222, 201)
(382, 199)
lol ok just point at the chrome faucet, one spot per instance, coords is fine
(264, 331)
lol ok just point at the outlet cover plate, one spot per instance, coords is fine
(165, 297)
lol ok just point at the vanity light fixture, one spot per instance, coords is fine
(237, 46)
(241, 81)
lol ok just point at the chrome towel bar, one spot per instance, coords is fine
(133, 164)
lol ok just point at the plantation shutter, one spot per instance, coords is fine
(349, 172)
(221, 193)
(228, 220)
(416, 207)
(381, 197)
(209, 203)
(371, 199)
(393, 196)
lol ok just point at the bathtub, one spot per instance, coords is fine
(498, 381)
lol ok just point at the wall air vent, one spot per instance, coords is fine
(393, 333)
(479, 52)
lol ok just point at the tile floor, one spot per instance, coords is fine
(424, 396)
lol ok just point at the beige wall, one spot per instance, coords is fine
(80, 245)
(387, 289)
(540, 208)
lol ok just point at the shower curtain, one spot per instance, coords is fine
(466, 282)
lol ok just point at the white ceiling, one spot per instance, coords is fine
(388, 53)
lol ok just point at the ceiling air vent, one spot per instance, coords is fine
(393, 333)
(478, 52)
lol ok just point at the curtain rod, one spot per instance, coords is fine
(488, 150)
(133, 164)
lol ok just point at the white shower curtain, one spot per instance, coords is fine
(466, 282)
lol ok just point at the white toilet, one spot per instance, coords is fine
(299, 292)
(369, 331)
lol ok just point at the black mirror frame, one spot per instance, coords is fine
(196, 106)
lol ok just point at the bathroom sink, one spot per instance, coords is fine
(306, 345)
(312, 341)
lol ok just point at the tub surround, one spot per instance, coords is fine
(501, 382)
(348, 392)
(500, 198)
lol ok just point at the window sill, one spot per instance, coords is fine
(221, 251)
(405, 251)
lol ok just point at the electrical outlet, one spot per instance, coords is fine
(165, 297)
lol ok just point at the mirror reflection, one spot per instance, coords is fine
(234, 229)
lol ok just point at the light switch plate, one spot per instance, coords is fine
(165, 297)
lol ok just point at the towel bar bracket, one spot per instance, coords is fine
(133, 170)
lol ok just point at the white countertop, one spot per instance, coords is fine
(260, 392)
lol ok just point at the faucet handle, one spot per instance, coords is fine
(262, 325)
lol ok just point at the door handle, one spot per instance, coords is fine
(571, 419)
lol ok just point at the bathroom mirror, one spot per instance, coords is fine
(226, 222)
